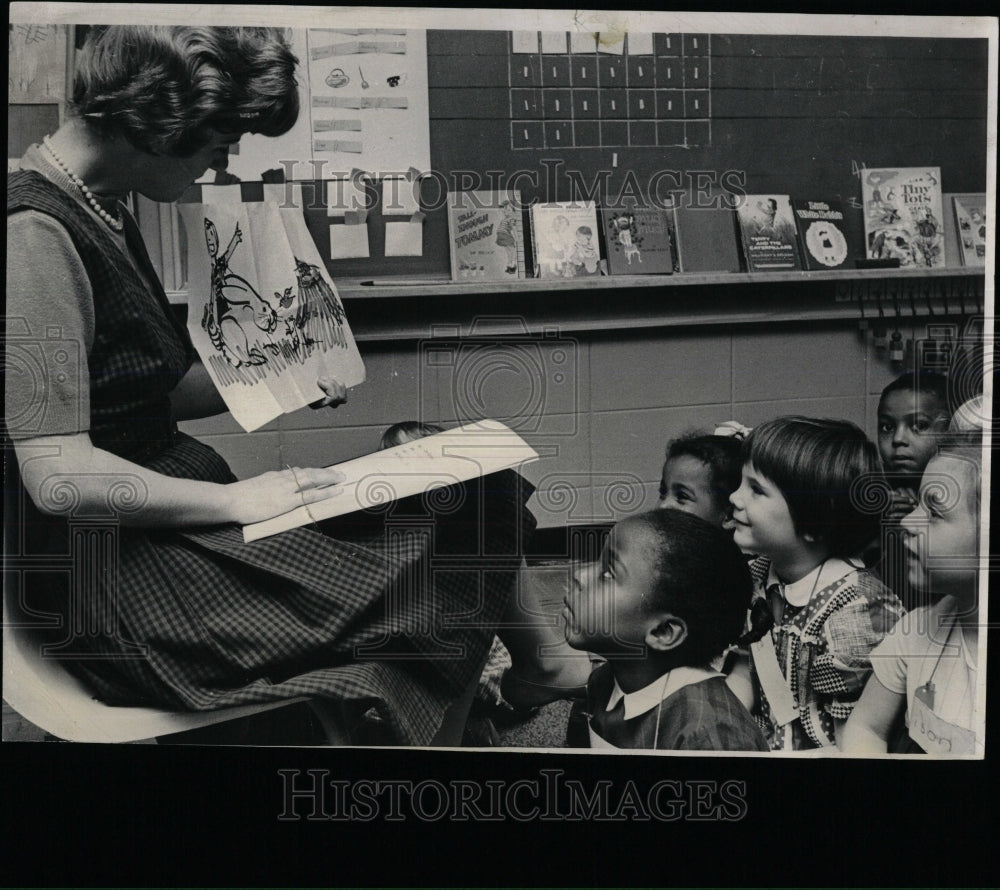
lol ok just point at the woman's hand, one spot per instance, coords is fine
(335, 393)
(280, 491)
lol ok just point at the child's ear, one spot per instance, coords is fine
(668, 633)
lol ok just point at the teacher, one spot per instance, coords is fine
(184, 614)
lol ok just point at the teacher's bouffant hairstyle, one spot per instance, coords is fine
(815, 463)
(165, 88)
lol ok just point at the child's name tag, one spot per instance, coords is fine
(937, 736)
(772, 682)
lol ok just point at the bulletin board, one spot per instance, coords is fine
(797, 115)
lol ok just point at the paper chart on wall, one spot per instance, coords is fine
(363, 104)
(36, 64)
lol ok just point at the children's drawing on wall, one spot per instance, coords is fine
(263, 315)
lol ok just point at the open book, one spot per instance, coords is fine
(457, 455)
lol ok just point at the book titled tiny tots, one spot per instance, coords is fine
(903, 218)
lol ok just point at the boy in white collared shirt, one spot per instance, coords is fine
(668, 595)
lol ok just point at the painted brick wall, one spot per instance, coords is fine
(598, 408)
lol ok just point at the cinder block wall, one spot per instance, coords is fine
(599, 408)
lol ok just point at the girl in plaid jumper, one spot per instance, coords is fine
(817, 613)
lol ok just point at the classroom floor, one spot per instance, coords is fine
(546, 728)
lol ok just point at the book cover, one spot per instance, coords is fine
(903, 216)
(637, 241)
(706, 235)
(970, 224)
(565, 239)
(486, 236)
(456, 455)
(822, 233)
(767, 226)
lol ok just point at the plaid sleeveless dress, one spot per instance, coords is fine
(393, 609)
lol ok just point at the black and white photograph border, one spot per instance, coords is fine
(518, 782)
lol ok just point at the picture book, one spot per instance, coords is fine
(970, 223)
(486, 236)
(565, 240)
(456, 455)
(822, 233)
(767, 226)
(637, 241)
(903, 215)
(706, 235)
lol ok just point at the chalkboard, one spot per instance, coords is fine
(797, 115)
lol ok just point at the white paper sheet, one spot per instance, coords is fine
(457, 455)
(582, 42)
(400, 197)
(349, 242)
(554, 42)
(524, 42)
(404, 238)
(640, 43)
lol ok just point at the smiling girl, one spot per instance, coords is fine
(824, 612)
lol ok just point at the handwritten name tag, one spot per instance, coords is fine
(937, 736)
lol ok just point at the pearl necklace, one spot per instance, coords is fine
(116, 223)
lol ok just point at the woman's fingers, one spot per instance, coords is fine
(335, 393)
(306, 478)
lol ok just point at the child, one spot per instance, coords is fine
(699, 475)
(668, 594)
(532, 666)
(927, 664)
(912, 412)
(795, 508)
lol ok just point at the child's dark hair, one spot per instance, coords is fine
(407, 431)
(701, 577)
(926, 382)
(722, 454)
(814, 462)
